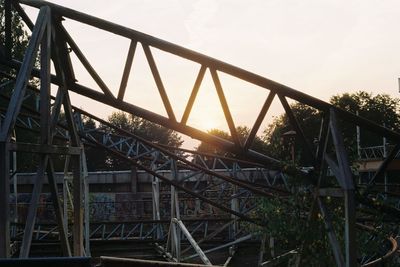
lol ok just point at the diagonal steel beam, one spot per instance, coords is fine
(159, 83)
(259, 120)
(225, 107)
(127, 69)
(215, 64)
(85, 62)
(24, 74)
(296, 126)
(193, 94)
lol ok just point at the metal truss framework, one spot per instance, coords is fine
(55, 43)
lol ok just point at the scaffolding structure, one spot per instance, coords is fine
(55, 44)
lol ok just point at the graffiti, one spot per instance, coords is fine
(102, 206)
(126, 207)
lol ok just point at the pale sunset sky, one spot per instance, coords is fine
(319, 47)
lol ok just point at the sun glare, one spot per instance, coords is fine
(206, 120)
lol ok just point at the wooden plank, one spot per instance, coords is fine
(127, 69)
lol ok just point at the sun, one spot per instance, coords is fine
(206, 120)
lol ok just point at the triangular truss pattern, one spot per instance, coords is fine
(237, 193)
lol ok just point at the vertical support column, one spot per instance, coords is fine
(15, 187)
(234, 205)
(350, 229)
(358, 131)
(155, 187)
(385, 156)
(33, 205)
(345, 179)
(78, 120)
(66, 192)
(86, 204)
(4, 201)
(65, 73)
(78, 209)
(7, 26)
(175, 214)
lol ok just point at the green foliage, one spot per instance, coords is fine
(243, 131)
(288, 221)
(380, 109)
(19, 35)
(148, 130)
(145, 129)
(280, 147)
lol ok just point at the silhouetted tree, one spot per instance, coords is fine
(381, 109)
(148, 130)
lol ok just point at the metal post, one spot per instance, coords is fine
(86, 204)
(15, 185)
(345, 179)
(4, 201)
(66, 192)
(385, 156)
(156, 197)
(358, 139)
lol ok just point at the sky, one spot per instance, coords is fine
(319, 47)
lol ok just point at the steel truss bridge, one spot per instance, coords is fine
(234, 202)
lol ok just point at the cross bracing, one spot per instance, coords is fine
(56, 44)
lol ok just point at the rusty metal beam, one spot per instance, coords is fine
(24, 74)
(225, 107)
(193, 95)
(259, 120)
(159, 83)
(4, 201)
(215, 64)
(127, 69)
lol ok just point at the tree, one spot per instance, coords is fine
(19, 39)
(19, 35)
(280, 147)
(243, 131)
(287, 218)
(380, 109)
(148, 130)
